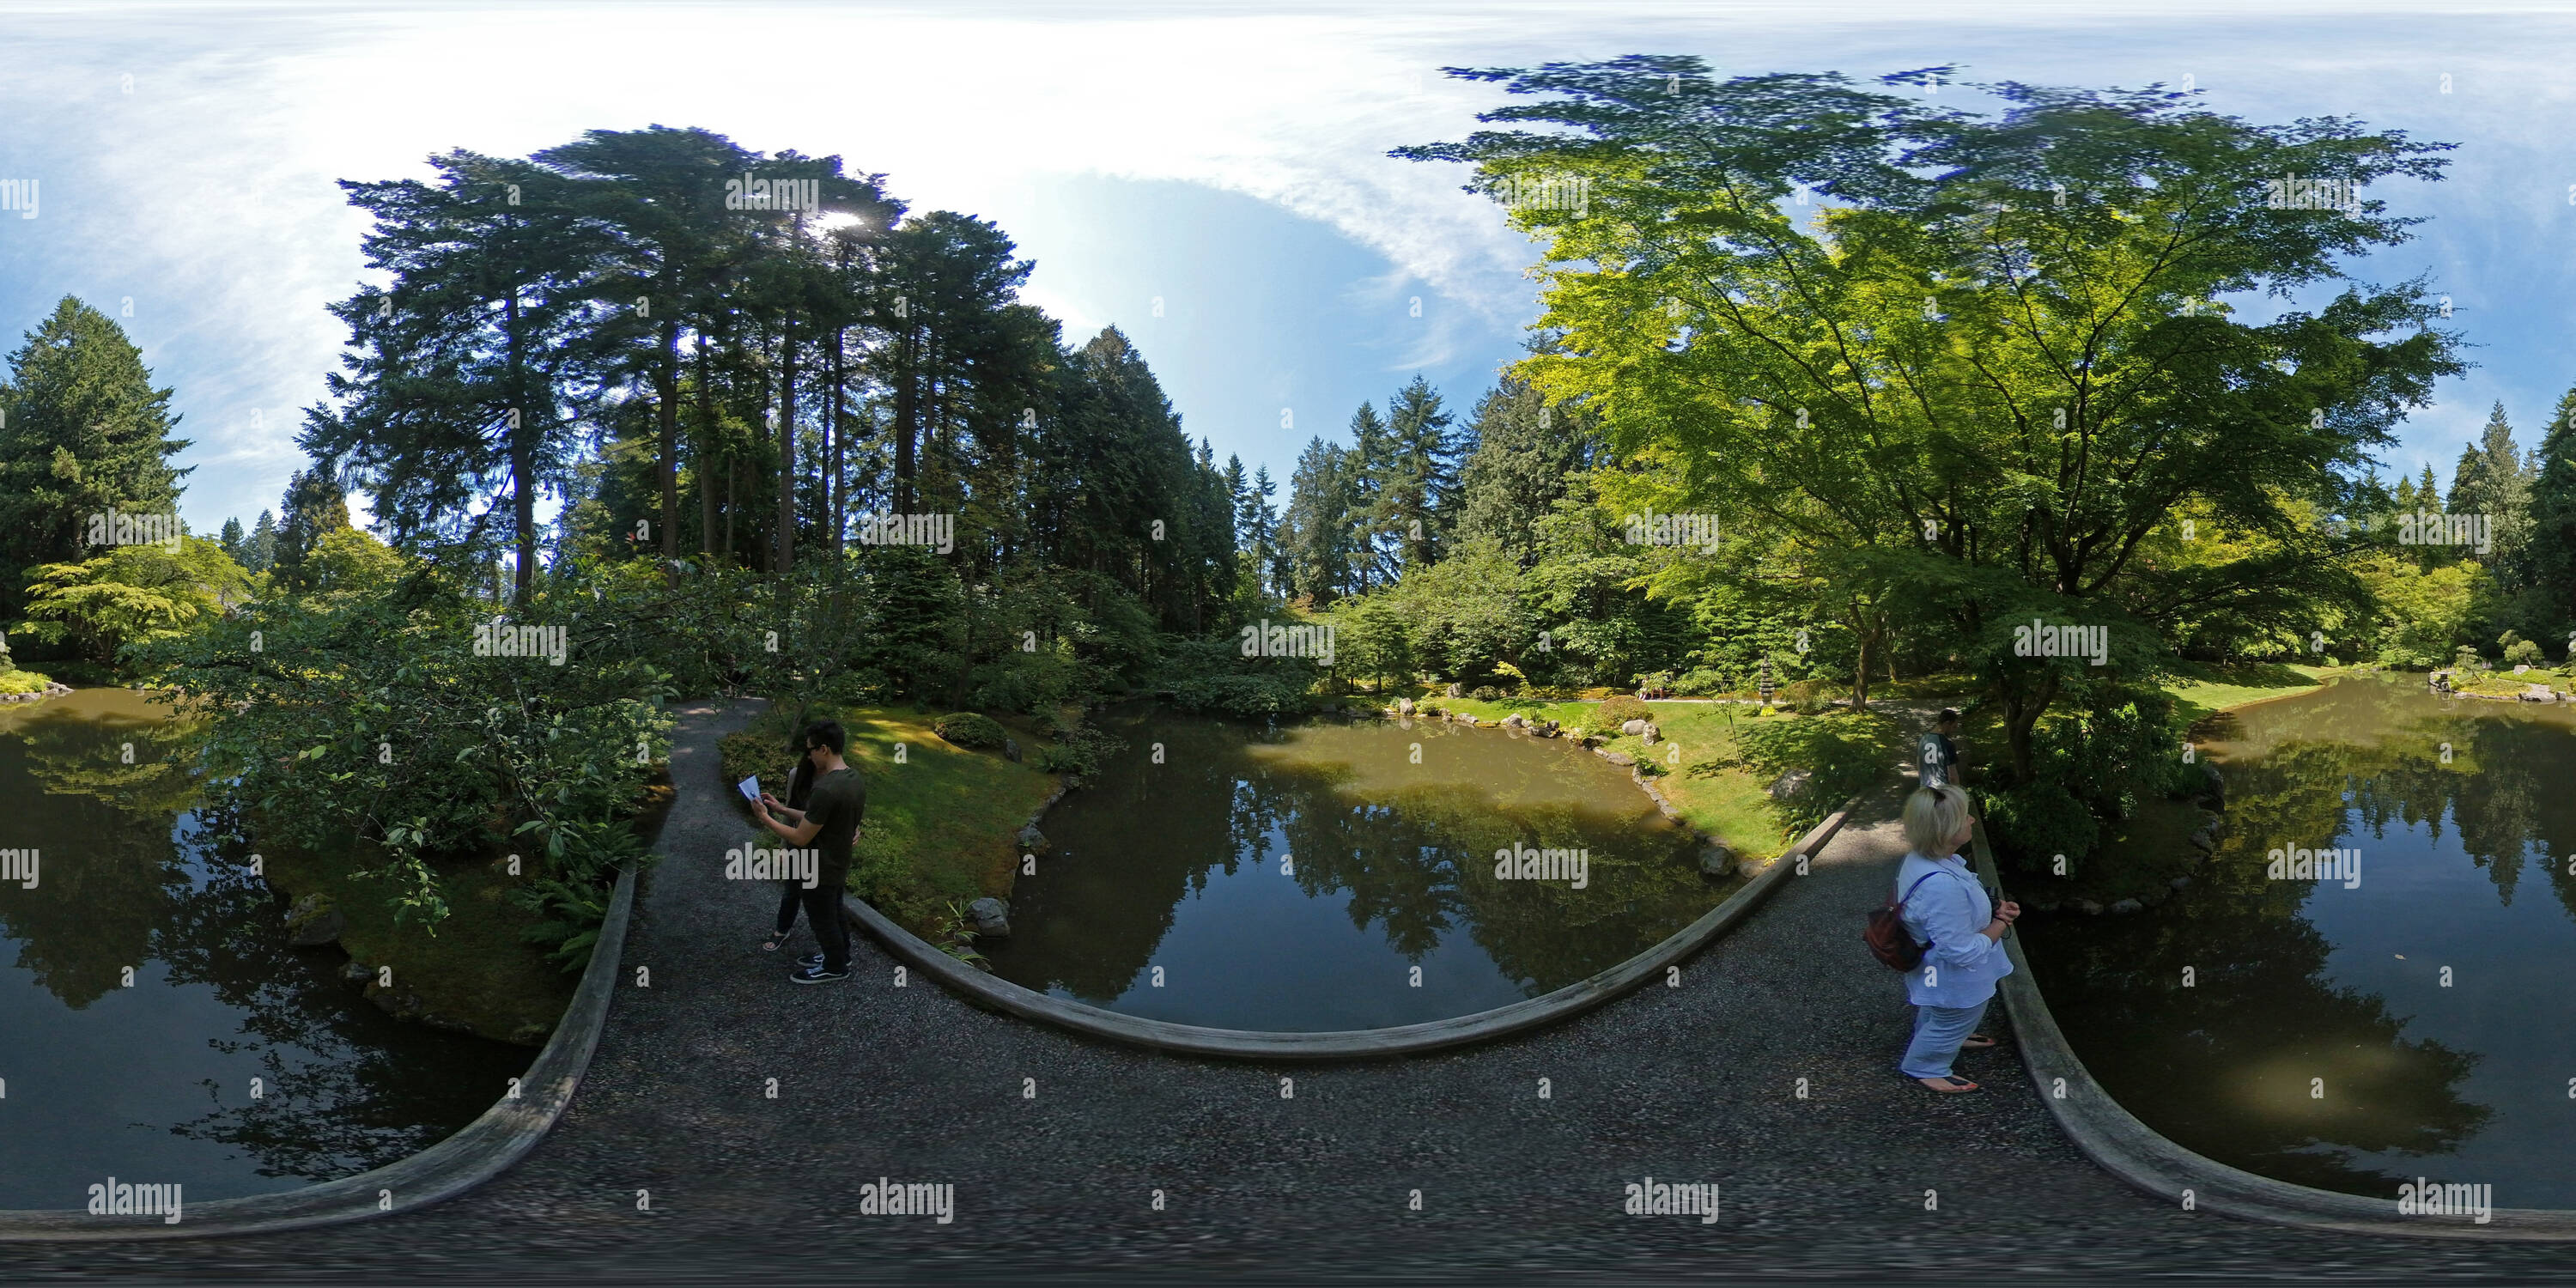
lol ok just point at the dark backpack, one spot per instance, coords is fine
(1887, 937)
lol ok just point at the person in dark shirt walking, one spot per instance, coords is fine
(1938, 758)
(829, 823)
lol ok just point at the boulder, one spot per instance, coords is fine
(357, 972)
(2538, 693)
(992, 917)
(1031, 839)
(1652, 733)
(1404, 706)
(1632, 728)
(1716, 861)
(1516, 720)
(2213, 786)
(1455, 690)
(2126, 906)
(1619, 758)
(2180, 883)
(322, 926)
(1011, 750)
(1466, 719)
(2203, 841)
(1789, 784)
(530, 1034)
(1547, 728)
(2088, 907)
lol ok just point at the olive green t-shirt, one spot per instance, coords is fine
(839, 802)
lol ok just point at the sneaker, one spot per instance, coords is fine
(810, 959)
(815, 974)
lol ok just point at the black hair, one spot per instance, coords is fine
(826, 733)
(1948, 715)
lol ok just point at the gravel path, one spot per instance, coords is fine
(1694, 1083)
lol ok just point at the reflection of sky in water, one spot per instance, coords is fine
(2427, 900)
(1252, 943)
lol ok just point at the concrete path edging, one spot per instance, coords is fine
(999, 994)
(479, 1151)
(2146, 1161)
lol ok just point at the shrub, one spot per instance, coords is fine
(1485, 693)
(969, 730)
(1617, 711)
(2523, 653)
(2033, 823)
(1243, 696)
(1807, 697)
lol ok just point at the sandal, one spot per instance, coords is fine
(1977, 1042)
(777, 940)
(1954, 1085)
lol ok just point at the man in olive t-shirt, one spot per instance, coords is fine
(831, 826)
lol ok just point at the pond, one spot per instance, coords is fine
(1342, 875)
(2404, 1017)
(146, 983)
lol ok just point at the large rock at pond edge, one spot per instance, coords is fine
(2125, 906)
(1631, 728)
(1716, 861)
(992, 917)
(313, 922)
(1404, 706)
(1456, 690)
(1516, 720)
(1032, 841)
(357, 972)
(1790, 784)
(1619, 758)
(2088, 907)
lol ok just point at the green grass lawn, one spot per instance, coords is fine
(2204, 689)
(941, 825)
(1701, 766)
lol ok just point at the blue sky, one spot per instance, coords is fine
(1229, 160)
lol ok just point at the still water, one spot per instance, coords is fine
(1316, 877)
(145, 982)
(2353, 1033)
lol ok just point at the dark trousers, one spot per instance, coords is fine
(822, 906)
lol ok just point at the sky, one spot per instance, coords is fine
(1210, 178)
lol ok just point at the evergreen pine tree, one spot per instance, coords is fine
(259, 549)
(231, 540)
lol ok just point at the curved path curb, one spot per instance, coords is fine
(479, 1151)
(1351, 1044)
(2143, 1159)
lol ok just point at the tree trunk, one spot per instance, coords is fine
(2022, 709)
(707, 451)
(667, 391)
(786, 543)
(834, 434)
(907, 416)
(523, 463)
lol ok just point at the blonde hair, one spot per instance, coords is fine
(1932, 816)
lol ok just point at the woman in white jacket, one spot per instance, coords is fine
(1946, 910)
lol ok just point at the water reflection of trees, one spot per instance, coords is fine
(1417, 863)
(130, 877)
(2223, 1067)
